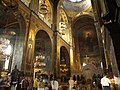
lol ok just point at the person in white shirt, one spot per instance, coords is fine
(71, 83)
(54, 84)
(105, 82)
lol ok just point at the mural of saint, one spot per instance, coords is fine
(89, 43)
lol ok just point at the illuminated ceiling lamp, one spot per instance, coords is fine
(43, 8)
(39, 63)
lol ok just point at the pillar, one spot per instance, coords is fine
(55, 33)
(98, 23)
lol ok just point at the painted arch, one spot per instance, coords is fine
(64, 63)
(12, 30)
(86, 41)
(43, 47)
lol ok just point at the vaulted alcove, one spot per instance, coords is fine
(43, 52)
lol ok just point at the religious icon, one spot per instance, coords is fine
(89, 42)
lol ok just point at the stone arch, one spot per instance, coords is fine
(63, 25)
(85, 40)
(82, 20)
(43, 47)
(13, 28)
(64, 63)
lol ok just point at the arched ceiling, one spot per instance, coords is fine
(82, 21)
(6, 17)
(85, 39)
(63, 16)
(83, 25)
(76, 6)
(73, 8)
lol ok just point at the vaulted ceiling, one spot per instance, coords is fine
(75, 7)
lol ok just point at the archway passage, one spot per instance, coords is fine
(12, 34)
(8, 31)
(86, 42)
(43, 53)
(64, 64)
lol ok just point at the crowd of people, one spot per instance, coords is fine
(39, 83)
(17, 81)
(23, 82)
(42, 84)
(98, 82)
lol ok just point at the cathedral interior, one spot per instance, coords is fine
(62, 38)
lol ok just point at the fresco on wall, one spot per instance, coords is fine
(88, 46)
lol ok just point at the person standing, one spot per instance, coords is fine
(54, 84)
(105, 82)
(30, 83)
(24, 83)
(71, 83)
(35, 83)
(15, 75)
(15, 78)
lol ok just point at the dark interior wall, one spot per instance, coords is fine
(115, 34)
(118, 3)
(111, 7)
(113, 27)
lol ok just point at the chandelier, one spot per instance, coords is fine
(43, 8)
(4, 48)
(39, 65)
(63, 68)
(40, 57)
(40, 61)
